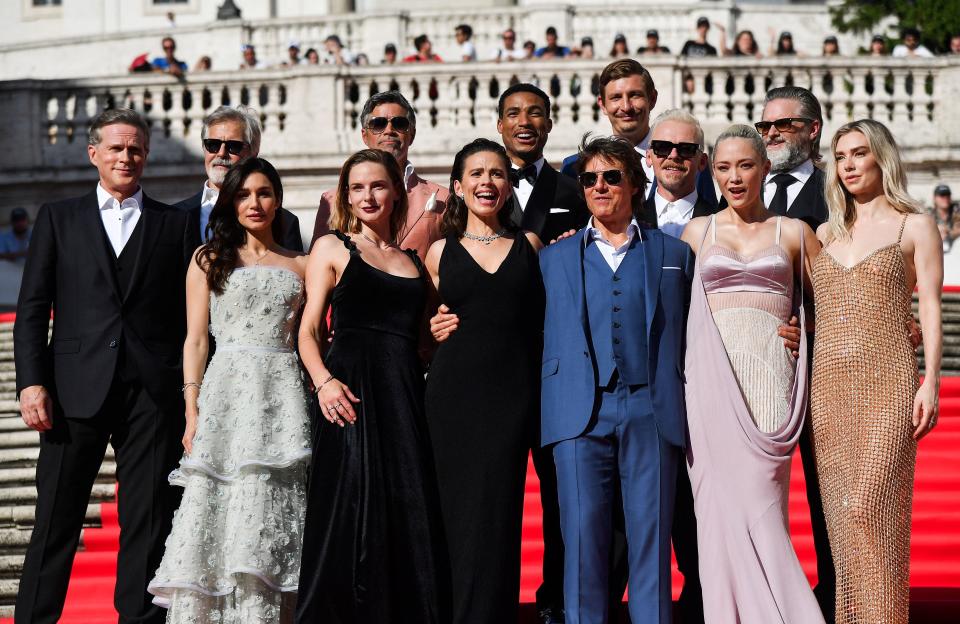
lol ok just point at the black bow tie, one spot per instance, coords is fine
(528, 173)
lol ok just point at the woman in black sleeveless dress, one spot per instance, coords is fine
(372, 534)
(483, 389)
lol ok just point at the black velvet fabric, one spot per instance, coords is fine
(372, 544)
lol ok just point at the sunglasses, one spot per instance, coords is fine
(233, 147)
(379, 124)
(588, 179)
(782, 125)
(664, 148)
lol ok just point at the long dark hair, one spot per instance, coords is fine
(455, 216)
(220, 254)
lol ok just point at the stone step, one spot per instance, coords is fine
(8, 594)
(7, 366)
(13, 540)
(21, 438)
(25, 515)
(18, 457)
(11, 566)
(8, 376)
(28, 494)
(26, 475)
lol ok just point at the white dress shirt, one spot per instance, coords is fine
(612, 255)
(679, 212)
(642, 148)
(207, 201)
(801, 172)
(119, 218)
(525, 190)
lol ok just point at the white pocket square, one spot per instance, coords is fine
(555, 210)
(671, 268)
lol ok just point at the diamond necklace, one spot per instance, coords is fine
(486, 240)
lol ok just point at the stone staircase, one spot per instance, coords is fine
(19, 448)
(951, 334)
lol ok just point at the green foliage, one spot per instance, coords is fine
(937, 20)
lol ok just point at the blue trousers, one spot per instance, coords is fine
(620, 444)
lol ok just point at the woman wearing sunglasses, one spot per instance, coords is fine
(867, 405)
(482, 390)
(371, 543)
(746, 394)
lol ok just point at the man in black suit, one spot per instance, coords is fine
(229, 135)
(111, 266)
(547, 204)
(790, 126)
(544, 202)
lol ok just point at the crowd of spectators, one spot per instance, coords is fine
(743, 43)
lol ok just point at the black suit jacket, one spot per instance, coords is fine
(810, 204)
(289, 223)
(702, 208)
(555, 206)
(69, 270)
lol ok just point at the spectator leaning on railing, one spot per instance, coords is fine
(337, 54)
(911, 46)
(509, 51)
(782, 46)
(250, 60)
(653, 44)
(14, 244)
(831, 47)
(424, 52)
(947, 215)
(954, 45)
(552, 49)
(468, 52)
(878, 46)
(168, 63)
(699, 46)
(620, 48)
(293, 54)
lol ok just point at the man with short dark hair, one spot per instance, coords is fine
(552, 49)
(463, 34)
(911, 46)
(627, 95)
(112, 264)
(168, 63)
(15, 243)
(229, 135)
(509, 50)
(337, 53)
(699, 47)
(389, 123)
(293, 54)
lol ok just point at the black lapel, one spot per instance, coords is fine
(702, 208)
(649, 216)
(540, 200)
(99, 246)
(151, 217)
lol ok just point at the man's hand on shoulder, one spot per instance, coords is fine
(36, 408)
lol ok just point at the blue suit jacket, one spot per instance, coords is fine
(569, 381)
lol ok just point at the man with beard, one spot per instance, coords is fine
(627, 95)
(790, 126)
(228, 136)
(389, 124)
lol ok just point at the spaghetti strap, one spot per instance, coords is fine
(777, 241)
(902, 224)
(803, 257)
(713, 227)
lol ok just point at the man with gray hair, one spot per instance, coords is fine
(791, 127)
(113, 264)
(228, 136)
(677, 156)
(388, 123)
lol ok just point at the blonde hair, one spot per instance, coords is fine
(342, 217)
(741, 131)
(843, 212)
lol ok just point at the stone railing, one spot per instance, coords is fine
(310, 114)
(111, 54)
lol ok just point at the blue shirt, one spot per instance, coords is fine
(161, 63)
(11, 243)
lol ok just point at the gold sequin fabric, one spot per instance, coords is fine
(864, 382)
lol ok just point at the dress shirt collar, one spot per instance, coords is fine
(593, 234)
(210, 194)
(801, 172)
(683, 206)
(106, 201)
(644, 144)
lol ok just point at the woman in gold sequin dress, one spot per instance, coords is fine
(868, 407)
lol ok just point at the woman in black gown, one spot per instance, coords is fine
(370, 547)
(483, 388)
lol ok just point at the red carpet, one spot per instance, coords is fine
(935, 549)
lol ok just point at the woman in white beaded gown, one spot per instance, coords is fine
(233, 555)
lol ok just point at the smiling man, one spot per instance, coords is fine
(228, 136)
(627, 96)
(389, 124)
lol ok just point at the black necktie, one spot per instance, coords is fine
(528, 173)
(779, 203)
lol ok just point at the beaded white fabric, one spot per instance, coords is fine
(233, 555)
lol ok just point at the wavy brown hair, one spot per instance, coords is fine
(219, 256)
(342, 217)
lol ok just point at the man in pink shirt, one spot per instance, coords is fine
(389, 123)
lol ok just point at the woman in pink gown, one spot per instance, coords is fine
(746, 394)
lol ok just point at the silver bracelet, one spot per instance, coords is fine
(188, 384)
(324, 382)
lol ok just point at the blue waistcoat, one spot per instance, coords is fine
(616, 313)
